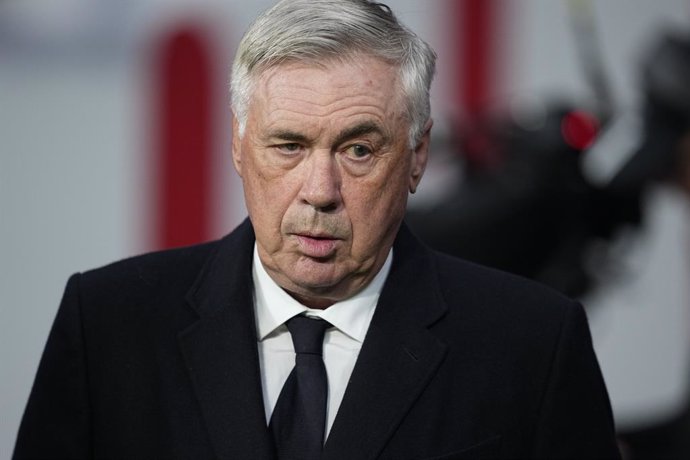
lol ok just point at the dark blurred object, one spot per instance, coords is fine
(526, 211)
(530, 210)
(666, 115)
(665, 441)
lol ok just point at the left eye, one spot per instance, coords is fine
(358, 150)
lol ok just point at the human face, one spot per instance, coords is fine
(326, 169)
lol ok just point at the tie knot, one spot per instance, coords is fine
(307, 334)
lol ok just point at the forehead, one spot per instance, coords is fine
(335, 88)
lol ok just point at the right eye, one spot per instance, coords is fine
(289, 148)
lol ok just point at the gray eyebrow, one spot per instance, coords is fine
(290, 136)
(358, 130)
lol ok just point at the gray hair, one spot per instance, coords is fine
(318, 30)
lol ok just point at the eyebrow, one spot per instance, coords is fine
(289, 136)
(358, 130)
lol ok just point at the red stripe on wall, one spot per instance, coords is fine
(477, 36)
(474, 31)
(184, 145)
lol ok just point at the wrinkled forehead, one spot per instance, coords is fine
(355, 73)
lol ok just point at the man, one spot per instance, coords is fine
(184, 353)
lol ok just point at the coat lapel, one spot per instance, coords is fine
(221, 354)
(398, 358)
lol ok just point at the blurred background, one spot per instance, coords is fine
(561, 152)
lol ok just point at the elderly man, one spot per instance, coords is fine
(320, 328)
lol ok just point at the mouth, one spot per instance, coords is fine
(317, 245)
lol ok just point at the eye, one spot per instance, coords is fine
(290, 148)
(358, 151)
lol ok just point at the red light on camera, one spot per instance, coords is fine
(579, 129)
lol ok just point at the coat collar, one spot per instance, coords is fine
(221, 354)
(398, 358)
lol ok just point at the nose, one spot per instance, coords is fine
(321, 186)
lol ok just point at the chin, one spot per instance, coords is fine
(314, 284)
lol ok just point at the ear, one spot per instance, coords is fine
(236, 146)
(420, 155)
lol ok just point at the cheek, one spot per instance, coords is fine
(267, 197)
(375, 210)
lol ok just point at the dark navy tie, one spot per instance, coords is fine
(299, 418)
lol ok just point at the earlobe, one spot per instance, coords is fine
(236, 146)
(420, 155)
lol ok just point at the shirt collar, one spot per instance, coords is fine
(351, 316)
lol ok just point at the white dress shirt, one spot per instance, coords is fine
(341, 345)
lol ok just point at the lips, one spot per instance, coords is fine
(318, 246)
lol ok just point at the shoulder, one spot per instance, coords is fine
(471, 293)
(171, 268)
(138, 286)
(169, 272)
(455, 273)
(501, 298)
